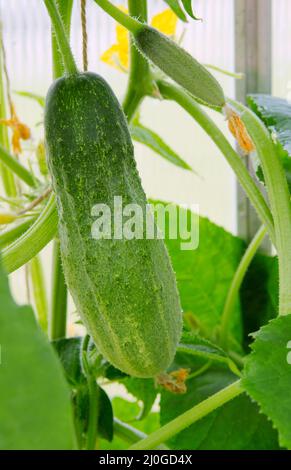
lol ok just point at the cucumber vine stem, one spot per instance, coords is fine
(11, 234)
(61, 36)
(189, 417)
(279, 197)
(125, 20)
(236, 283)
(93, 390)
(173, 92)
(33, 240)
(139, 80)
(59, 292)
(65, 10)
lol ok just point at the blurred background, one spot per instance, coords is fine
(26, 31)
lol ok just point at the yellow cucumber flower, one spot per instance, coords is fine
(117, 55)
(19, 130)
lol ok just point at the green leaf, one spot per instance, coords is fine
(35, 408)
(188, 7)
(203, 290)
(144, 390)
(26, 94)
(105, 419)
(69, 351)
(175, 6)
(152, 140)
(276, 115)
(198, 347)
(259, 294)
(235, 426)
(267, 375)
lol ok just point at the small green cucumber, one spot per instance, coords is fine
(124, 290)
(179, 66)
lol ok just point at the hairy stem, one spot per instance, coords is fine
(61, 36)
(129, 23)
(236, 285)
(11, 234)
(65, 10)
(189, 417)
(33, 240)
(172, 92)
(279, 197)
(139, 80)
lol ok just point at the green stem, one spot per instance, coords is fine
(236, 285)
(17, 168)
(33, 240)
(93, 413)
(58, 316)
(7, 177)
(172, 92)
(125, 20)
(58, 313)
(65, 10)
(131, 435)
(61, 36)
(93, 390)
(11, 234)
(39, 291)
(189, 417)
(140, 82)
(279, 197)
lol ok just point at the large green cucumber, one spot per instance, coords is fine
(124, 290)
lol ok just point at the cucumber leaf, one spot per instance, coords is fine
(176, 7)
(35, 408)
(145, 136)
(238, 425)
(69, 351)
(267, 375)
(187, 4)
(144, 390)
(276, 115)
(199, 348)
(259, 294)
(202, 290)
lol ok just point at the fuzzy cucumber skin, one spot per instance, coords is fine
(180, 66)
(124, 290)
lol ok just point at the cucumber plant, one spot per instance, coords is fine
(157, 320)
